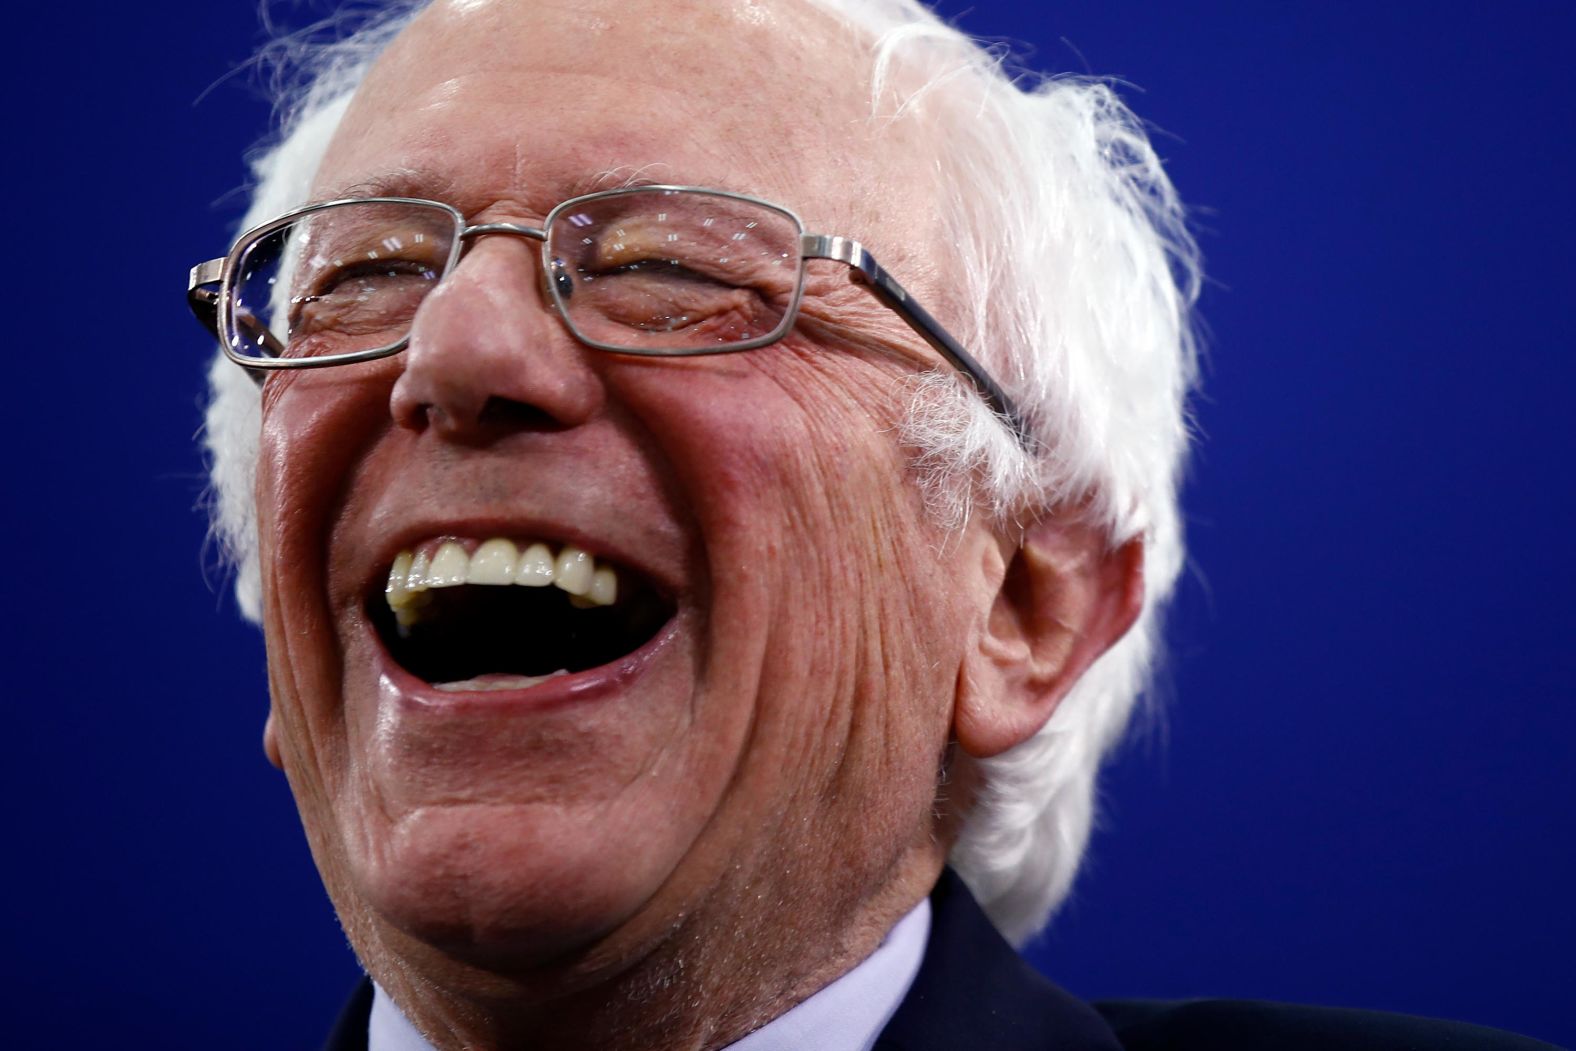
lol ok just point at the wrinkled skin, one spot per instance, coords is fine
(672, 855)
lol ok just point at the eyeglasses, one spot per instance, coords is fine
(650, 270)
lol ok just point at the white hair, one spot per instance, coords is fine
(1078, 276)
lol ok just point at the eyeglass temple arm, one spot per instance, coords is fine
(868, 272)
(202, 295)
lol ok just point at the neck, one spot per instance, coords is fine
(703, 983)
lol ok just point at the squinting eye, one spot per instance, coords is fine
(630, 291)
(369, 278)
(656, 298)
(367, 297)
(663, 270)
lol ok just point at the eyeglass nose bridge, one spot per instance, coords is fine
(514, 229)
(552, 273)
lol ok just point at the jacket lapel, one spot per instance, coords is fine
(974, 991)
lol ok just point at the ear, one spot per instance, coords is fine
(271, 742)
(1065, 598)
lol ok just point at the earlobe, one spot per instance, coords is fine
(1065, 598)
(271, 742)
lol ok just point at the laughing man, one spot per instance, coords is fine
(707, 476)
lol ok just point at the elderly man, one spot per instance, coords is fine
(660, 592)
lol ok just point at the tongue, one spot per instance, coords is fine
(497, 681)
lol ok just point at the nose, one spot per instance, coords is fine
(485, 357)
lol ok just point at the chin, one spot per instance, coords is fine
(498, 887)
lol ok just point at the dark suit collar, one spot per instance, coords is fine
(350, 1030)
(974, 991)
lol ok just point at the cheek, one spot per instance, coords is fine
(828, 576)
(316, 425)
(306, 445)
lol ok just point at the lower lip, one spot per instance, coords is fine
(401, 688)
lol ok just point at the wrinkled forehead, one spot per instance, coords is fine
(533, 100)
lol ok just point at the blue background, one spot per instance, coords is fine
(1361, 789)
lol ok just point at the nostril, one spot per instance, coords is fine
(515, 415)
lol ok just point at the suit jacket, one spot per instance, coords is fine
(973, 991)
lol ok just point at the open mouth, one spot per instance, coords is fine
(501, 614)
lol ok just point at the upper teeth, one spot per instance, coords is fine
(497, 560)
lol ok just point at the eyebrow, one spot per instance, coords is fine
(394, 182)
(624, 177)
(430, 184)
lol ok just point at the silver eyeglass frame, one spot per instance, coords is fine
(210, 285)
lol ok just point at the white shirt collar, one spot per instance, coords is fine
(847, 1015)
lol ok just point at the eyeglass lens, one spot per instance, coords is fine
(338, 280)
(669, 272)
(647, 272)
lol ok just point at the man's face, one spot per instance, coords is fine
(772, 747)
